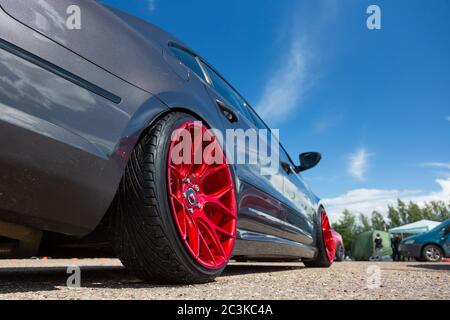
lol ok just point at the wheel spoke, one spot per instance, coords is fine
(219, 205)
(176, 170)
(182, 223)
(176, 198)
(208, 250)
(217, 228)
(206, 161)
(223, 191)
(209, 171)
(211, 235)
(193, 234)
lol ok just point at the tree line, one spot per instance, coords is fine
(350, 224)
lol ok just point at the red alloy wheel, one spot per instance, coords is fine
(327, 235)
(202, 196)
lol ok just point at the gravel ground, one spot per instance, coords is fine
(107, 279)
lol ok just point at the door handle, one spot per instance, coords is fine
(227, 111)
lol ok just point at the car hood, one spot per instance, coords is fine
(416, 237)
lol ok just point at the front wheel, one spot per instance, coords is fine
(325, 245)
(432, 253)
(174, 219)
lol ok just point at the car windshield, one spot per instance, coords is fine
(442, 225)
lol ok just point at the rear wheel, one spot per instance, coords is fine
(325, 243)
(174, 220)
(432, 253)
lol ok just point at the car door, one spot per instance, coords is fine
(296, 196)
(301, 207)
(445, 240)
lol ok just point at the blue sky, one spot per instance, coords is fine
(376, 103)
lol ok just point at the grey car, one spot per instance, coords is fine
(88, 114)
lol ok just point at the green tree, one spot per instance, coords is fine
(428, 213)
(402, 211)
(365, 223)
(436, 210)
(347, 227)
(378, 222)
(394, 217)
(414, 212)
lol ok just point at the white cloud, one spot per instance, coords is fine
(359, 162)
(151, 5)
(295, 70)
(366, 200)
(286, 86)
(436, 165)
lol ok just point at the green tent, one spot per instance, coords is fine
(364, 247)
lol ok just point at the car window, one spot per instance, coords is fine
(226, 91)
(188, 59)
(260, 124)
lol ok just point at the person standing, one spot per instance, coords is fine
(378, 247)
(395, 244)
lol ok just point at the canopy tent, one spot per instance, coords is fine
(415, 227)
(364, 246)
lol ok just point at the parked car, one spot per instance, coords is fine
(88, 122)
(432, 246)
(339, 245)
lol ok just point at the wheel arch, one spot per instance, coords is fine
(431, 243)
(139, 126)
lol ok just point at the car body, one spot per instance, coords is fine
(74, 105)
(432, 246)
(339, 245)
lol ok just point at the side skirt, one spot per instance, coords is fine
(257, 245)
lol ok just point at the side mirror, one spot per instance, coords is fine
(308, 161)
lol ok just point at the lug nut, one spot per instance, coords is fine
(199, 206)
(184, 194)
(190, 210)
(187, 180)
(197, 188)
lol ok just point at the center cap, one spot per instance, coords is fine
(191, 196)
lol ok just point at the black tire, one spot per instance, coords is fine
(436, 257)
(321, 260)
(142, 229)
(340, 253)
